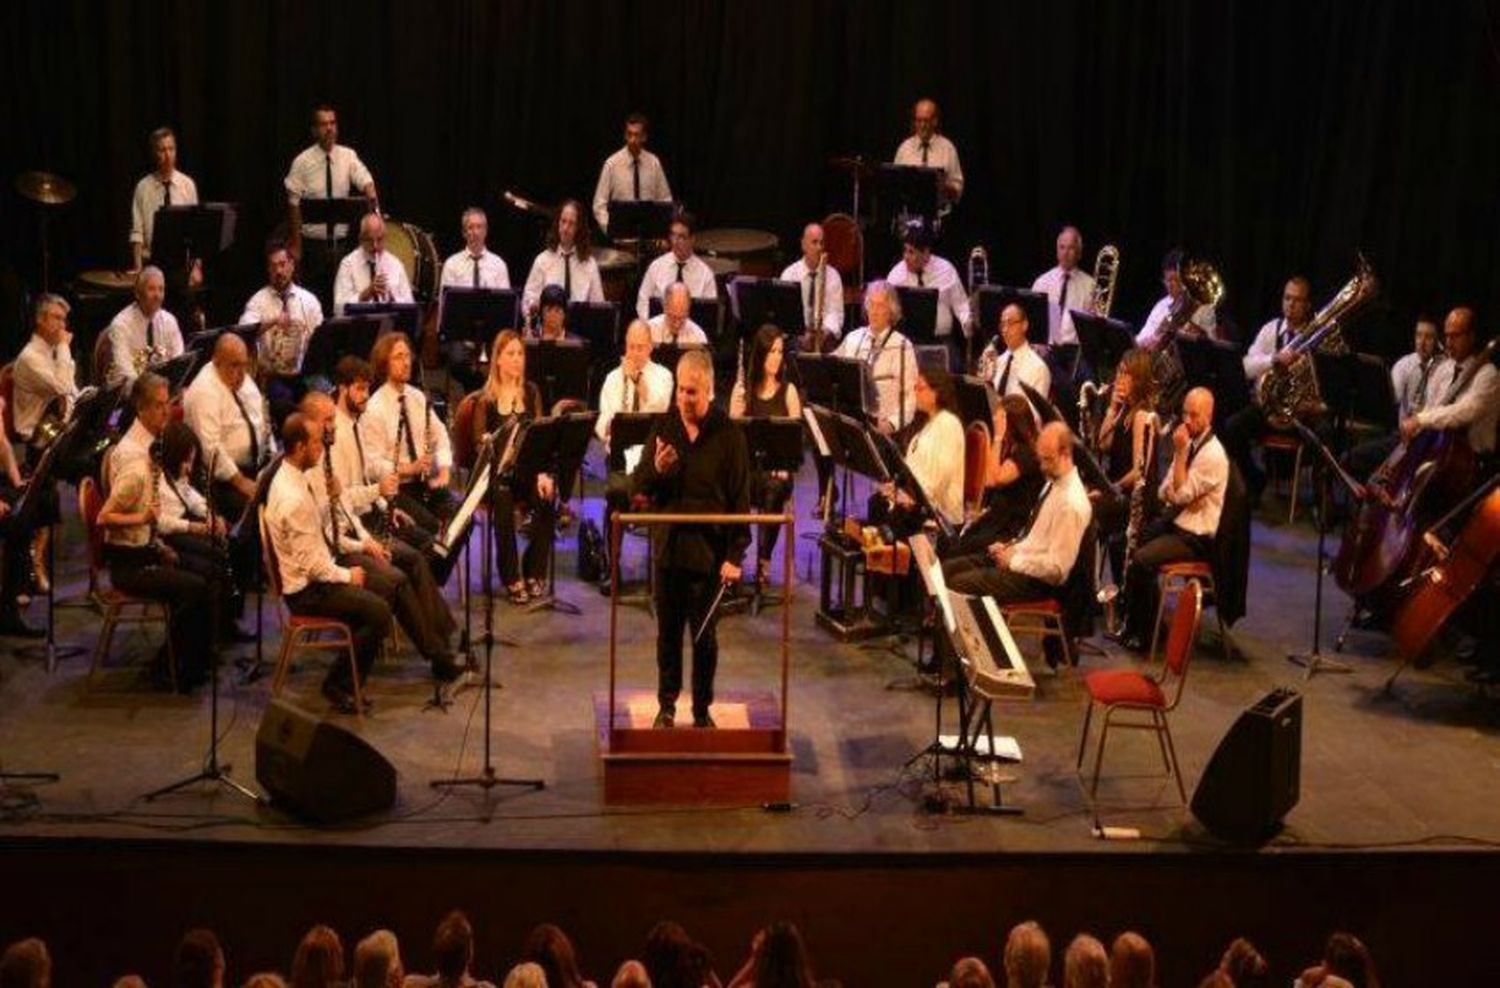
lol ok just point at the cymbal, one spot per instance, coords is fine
(46, 188)
(528, 206)
(855, 163)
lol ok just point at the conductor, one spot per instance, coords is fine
(695, 462)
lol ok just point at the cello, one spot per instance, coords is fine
(1458, 570)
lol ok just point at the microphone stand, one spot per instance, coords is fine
(213, 771)
(1315, 661)
(487, 779)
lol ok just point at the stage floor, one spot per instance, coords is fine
(1414, 767)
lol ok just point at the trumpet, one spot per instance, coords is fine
(1106, 274)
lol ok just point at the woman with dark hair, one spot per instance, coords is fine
(675, 960)
(505, 402)
(1243, 965)
(1344, 956)
(935, 456)
(1127, 440)
(1012, 482)
(549, 947)
(763, 391)
(319, 961)
(778, 959)
(202, 546)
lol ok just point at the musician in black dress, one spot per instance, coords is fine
(695, 462)
(506, 402)
(1013, 479)
(764, 392)
(1122, 442)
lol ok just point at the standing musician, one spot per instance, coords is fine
(143, 334)
(1204, 320)
(368, 499)
(370, 273)
(679, 265)
(696, 462)
(1127, 444)
(1272, 347)
(566, 260)
(17, 541)
(225, 410)
(920, 268)
(935, 455)
(1195, 486)
(927, 148)
(631, 174)
(139, 563)
(764, 392)
(402, 435)
(892, 359)
(165, 186)
(398, 573)
(805, 272)
(326, 170)
(288, 315)
(506, 403)
(1411, 374)
(674, 325)
(639, 384)
(312, 582)
(1017, 363)
(1067, 288)
(1012, 481)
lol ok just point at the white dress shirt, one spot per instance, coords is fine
(940, 154)
(1049, 548)
(296, 528)
(1476, 406)
(42, 373)
(282, 348)
(936, 457)
(151, 195)
(129, 493)
(354, 277)
(1080, 296)
(379, 424)
(210, 410)
(308, 179)
(128, 336)
(1026, 367)
(617, 181)
(953, 300)
(547, 269)
(662, 272)
(133, 449)
(347, 531)
(179, 506)
(1409, 381)
(691, 333)
(1205, 317)
(1201, 498)
(1274, 335)
(350, 468)
(458, 271)
(893, 365)
(619, 394)
(833, 296)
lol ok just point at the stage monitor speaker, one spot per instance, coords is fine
(1254, 778)
(319, 770)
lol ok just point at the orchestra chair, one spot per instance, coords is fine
(119, 607)
(1066, 616)
(1283, 445)
(305, 631)
(102, 357)
(1126, 693)
(1171, 580)
(976, 463)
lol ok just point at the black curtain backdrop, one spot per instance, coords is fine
(1273, 137)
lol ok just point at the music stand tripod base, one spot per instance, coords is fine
(1316, 662)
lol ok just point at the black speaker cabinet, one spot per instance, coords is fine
(1254, 778)
(319, 770)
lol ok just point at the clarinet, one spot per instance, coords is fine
(335, 502)
(153, 495)
(403, 426)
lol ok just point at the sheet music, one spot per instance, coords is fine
(817, 431)
(633, 457)
(479, 486)
(931, 568)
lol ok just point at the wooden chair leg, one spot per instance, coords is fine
(283, 659)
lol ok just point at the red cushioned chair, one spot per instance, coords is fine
(1126, 692)
(1170, 580)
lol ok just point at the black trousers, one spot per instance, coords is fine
(428, 506)
(14, 565)
(409, 591)
(199, 555)
(368, 618)
(682, 601)
(141, 573)
(1161, 542)
(977, 576)
(534, 563)
(769, 493)
(283, 392)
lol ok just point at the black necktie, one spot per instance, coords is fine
(166, 192)
(374, 295)
(635, 177)
(921, 279)
(1036, 510)
(328, 184)
(812, 294)
(875, 348)
(1062, 298)
(411, 443)
(359, 447)
(1197, 446)
(1419, 400)
(925, 145)
(250, 427)
(150, 332)
(635, 393)
(325, 531)
(1457, 387)
(476, 271)
(568, 275)
(680, 266)
(1005, 374)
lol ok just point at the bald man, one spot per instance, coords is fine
(673, 325)
(803, 274)
(926, 148)
(370, 273)
(227, 412)
(1195, 486)
(142, 334)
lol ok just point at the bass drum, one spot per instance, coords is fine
(414, 248)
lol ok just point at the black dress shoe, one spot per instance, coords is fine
(664, 718)
(445, 669)
(13, 627)
(339, 698)
(704, 720)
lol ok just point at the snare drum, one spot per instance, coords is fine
(104, 282)
(414, 248)
(755, 250)
(615, 268)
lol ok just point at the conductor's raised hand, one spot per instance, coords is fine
(665, 457)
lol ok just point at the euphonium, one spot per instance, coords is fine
(1106, 273)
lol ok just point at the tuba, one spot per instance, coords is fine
(1201, 286)
(1283, 393)
(1106, 274)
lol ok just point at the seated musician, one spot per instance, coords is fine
(395, 571)
(935, 455)
(566, 260)
(225, 410)
(552, 316)
(143, 334)
(631, 174)
(139, 563)
(1126, 435)
(890, 355)
(764, 392)
(165, 186)
(1272, 347)
(506, 403)
(312, 582)
(1203, 322)
(679, 265)
(639, 384)
(1036, 564)
(926, 148)
(919, 267)
(46, 387)
(17, 541)
(370, 500)
(1410, 374)
(1012, 480)
(370, 273)
(1015, 361)
(674, 325)
(288, 315)
(1067, 288)
(476, 266)
(804, 272)
(1195, 486)
(401, 434)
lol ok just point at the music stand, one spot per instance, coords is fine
(918, 313)
(596, 322)
(1088, 465)
(706, 313)
(757, 302)
(192, 232)
(822, 424)
(628, 430)
(179, 370)
(559, 369)
(43, 478)
(775, 444)
(404, 316)
(640, 220)
(994, 298)
(1102, 341)
(572, 447)
(908, 191)
(333, 213)
(849, 384)
(475, 315)
(977, 400)
(540, 451)
(339, 336)
(1374, 396)
(203, 343)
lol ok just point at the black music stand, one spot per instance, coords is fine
(540, 451)
(559, 369)
(977, 400)
(907, 192)
(775, 445)
(598, 323)
(404, 316)
(180, 369)
(919, 314)
(1102, 341)
(1315, 661)
(841, 383)
(331, 213)
(1373, 394)
(475, 315)
(203, 343)
(193, 233)
(343, 335)
(640, 220)
(822, 424)
(628, 430)
(706, 313)
(994, 298)
(43, 478)
(758, 302)
(1088, 465)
